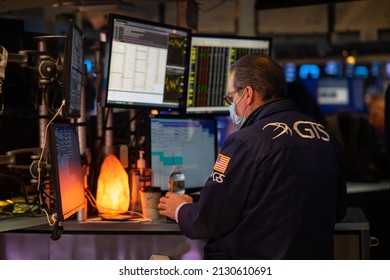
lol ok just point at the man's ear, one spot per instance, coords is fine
(249, 92)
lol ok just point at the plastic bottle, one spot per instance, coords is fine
(145, 173)
(140, 177)
(177, 180)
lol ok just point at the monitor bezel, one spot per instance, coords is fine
(163, 107)
(220, 110)
(67, 112)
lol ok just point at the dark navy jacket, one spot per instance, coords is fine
(276, 190)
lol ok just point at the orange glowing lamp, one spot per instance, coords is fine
(113, 194)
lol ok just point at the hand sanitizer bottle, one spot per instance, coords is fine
(140, 177)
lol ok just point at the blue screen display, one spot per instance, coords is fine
(189, 143)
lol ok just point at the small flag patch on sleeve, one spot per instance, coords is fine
(221, 163)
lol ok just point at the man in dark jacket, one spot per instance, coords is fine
(278, 184)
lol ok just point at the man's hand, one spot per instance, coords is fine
(169, 203)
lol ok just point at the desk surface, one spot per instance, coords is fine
(40, 223)
(161, 226)
(21, 222)
(355, 220)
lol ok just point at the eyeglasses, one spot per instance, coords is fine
(228, 97)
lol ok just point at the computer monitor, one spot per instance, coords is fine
(190, 143)
(290, 72)
(309, 71)
(72, 71)
(211, 57)
(333, 68)
(333, 92)
(146, 64)
(340, 94)
(65, 171)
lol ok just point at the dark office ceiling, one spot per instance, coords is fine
(285, 45)
(12, 5)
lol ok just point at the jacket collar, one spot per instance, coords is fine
(269, 108)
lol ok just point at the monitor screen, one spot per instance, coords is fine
(146, 64)
(340, 94)
(188, 142)
(309, 71)
(72, 73)
(333, 92)
(211, 57)
(66, 173)
(290, 72)
(333, 68)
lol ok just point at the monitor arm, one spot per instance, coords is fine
(49, 70)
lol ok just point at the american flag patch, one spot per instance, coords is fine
(221, 163)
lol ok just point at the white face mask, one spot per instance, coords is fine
(236, 119)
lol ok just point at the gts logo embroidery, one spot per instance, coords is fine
(284, 127)
(304, 129)
(217, 177)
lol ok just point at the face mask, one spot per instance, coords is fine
(236, 119)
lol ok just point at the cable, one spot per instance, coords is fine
(45, 93)
(53, 218)
(90, 198)
(57, 231)
(21, 184)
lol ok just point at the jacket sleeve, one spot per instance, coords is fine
(223, 196)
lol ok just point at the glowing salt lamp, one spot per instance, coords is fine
(113, 194)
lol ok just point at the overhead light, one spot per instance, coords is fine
(351, 59)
